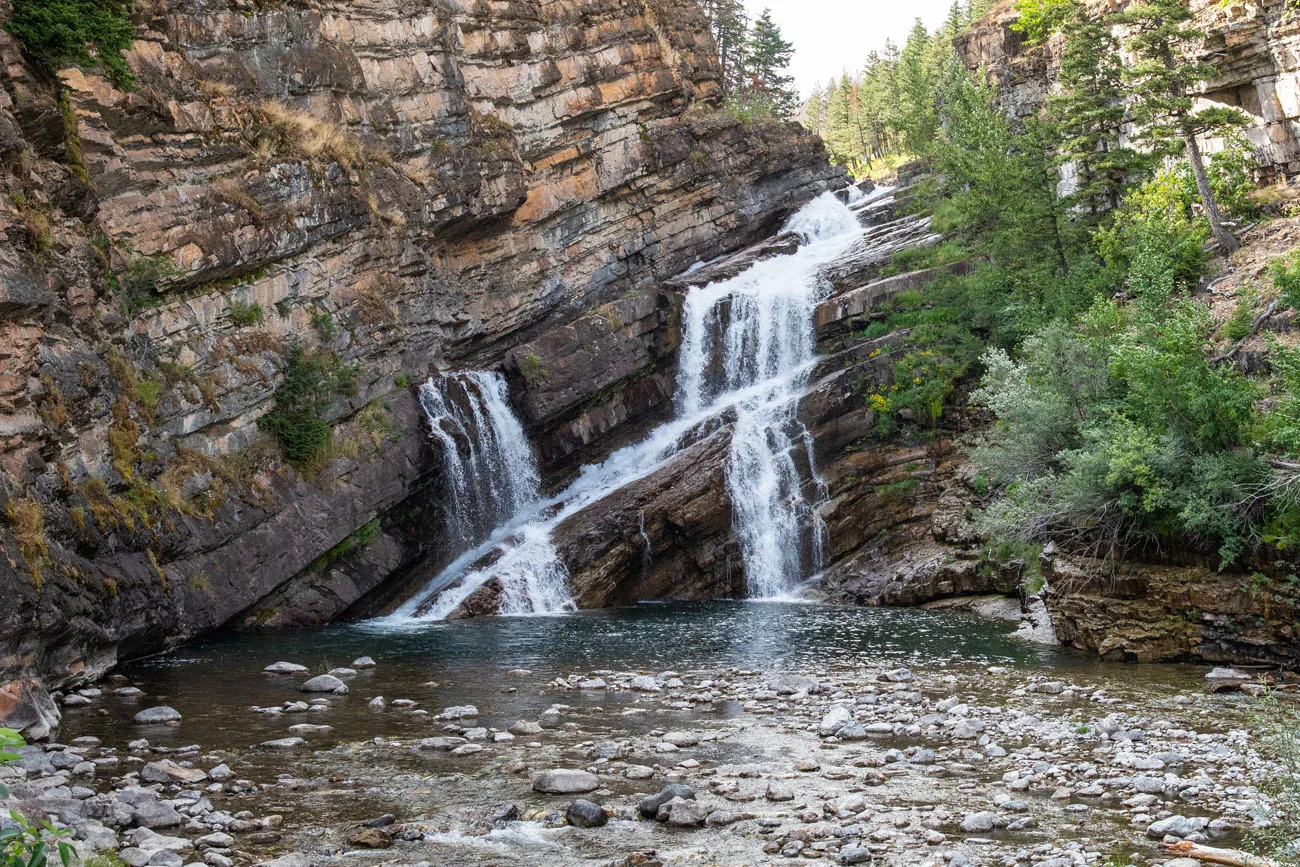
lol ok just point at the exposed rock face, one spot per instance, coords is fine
(411, 188)
(1150, 613)
(1252, 47)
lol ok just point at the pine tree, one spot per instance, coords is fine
(1160, 81)
(839, 121)
(767, 56)
(728, 24)
(814, 111)
(1089, 113)
(918, 119)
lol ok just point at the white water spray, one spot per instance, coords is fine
(748, 347)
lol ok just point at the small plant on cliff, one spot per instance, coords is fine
(136, 285)
(313, 380)
(1039, 19)
(531, 367)
(243, 313)
(57, 33)
(27, 523)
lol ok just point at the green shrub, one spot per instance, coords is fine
(136, 285)
(313, 381)
(28, 843)
(323, 322)
(1285, 271)
(1232, 177)
(242, 313)
(1039, 19)
(55, 33)
(1239, 323)
(1155, 238)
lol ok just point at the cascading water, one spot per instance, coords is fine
(748, 347)
(755, 331)
(488, 464)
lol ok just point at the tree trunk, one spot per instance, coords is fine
(1225, 238)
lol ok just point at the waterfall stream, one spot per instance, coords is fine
(748, 347)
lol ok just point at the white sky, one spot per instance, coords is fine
(831, 36)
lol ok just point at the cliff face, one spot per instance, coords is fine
(401, 187)
(1253, 47)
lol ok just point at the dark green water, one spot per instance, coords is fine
(213, 683)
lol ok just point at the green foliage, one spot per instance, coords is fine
(313, 381)
(1231, 173)
(1277, 730)
(56, 33)
(1285, 273)
(243, 313)
(323, 322)
(401, 380)
(1120, 433)
(1155, 238)
(28, 843)
(767, 56)
(137, 284)
(1239, 323)
(1039, 19)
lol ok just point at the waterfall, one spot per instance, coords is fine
(754, 333)
(748, 347)
(487, 461)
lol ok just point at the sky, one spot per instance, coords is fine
(831, 36)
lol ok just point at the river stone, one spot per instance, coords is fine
(309, 729)
(649, 807)
(441, 743)
(1178, 826)
(789, 684)
(853, 731)
(526, 728)
(639, 772)
(285, 668)
(779, 790)
(167, 771)
(856, 855)
(376, 703)
(221, 773)
(282, 744)
(594, 683)
(324, 683)
(898, 675)
(681, 739)
(155, 814)
(836, 718)
(160, 714)
(645, 683)
(586, 814)
(363, 662)
(563, 781)
(459, 711)
(977, 823)
(683, 812)
(343, 672)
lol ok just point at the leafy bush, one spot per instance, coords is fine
(1285, 271)
(313, 381)
(137, 284)
(1121, 434)
(1155, 238)
(1232, 177)
(55, 33)
(1039, 19)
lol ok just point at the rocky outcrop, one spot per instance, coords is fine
(1148, 612)
(1252, 47)
(402, 189)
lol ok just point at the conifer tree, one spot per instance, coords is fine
(918, 119)
(814, 111)
(767, 56)
(728, 24)
(1089, 113)
(1160, 81)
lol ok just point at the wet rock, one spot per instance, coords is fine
(282, 744)
(563, 781)
(683, 812)
(285, 668)
(856, 855)
(649, 807)
(441, 743)
(324, 683)
(639, 772)
(167, 771)
(898, 675)
(157, 715)
(681, 739)
(1177, 826)
(645, 683)
(363, 662)
(221, 773)
(526, 728)
(982, 822)
(779, 790)
(586, 814)
(307, 729)
(455, 712)
(376, 703)
(834, 720)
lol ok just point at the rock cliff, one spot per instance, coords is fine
(1252, 47)
(386, 189)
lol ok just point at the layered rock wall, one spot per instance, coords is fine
(397, 188)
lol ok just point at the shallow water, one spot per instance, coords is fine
(214, 682)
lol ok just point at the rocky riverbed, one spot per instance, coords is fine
(897, 757)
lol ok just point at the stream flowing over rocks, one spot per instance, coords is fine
(816, 732)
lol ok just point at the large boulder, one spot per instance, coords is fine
(565, 782)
